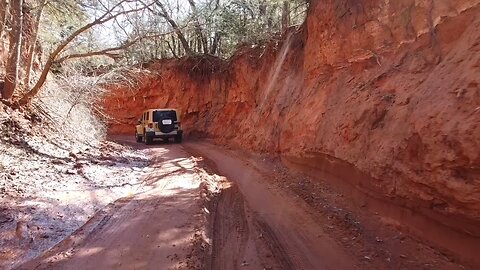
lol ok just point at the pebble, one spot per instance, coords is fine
(71, 172)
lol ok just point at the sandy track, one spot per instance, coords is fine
(253, 228)
(290, 237)
(305, 225)
(247, 224)
(153, 230)
(239, 240)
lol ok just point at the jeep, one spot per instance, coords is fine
(158, 123)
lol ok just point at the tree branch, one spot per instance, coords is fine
(51, 59)
(109, 51)
(174, 25)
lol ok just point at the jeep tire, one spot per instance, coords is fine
(138, 138)
(178, 138)
(148, 139)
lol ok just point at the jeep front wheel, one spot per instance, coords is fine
(148, 139)
(138, 138)
(178, 138)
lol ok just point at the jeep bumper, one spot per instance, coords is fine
(158, 134)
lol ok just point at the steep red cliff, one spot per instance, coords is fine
(387, 90)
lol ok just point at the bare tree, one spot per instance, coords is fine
(172, 47)
(214, 27)
(164, 13)
(198, 27)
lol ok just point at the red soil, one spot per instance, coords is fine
(382, 94)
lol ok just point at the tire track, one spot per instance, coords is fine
(240, 239)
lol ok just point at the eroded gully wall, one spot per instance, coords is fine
(386, 89)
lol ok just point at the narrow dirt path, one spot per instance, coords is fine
(241, 240)
(299, 225)
(153, 230)
(290, 237)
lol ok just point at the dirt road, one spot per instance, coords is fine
(245, 224)
(152, 230)
(290, 234)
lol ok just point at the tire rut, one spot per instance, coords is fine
(282, 232)
(229, 227)
(281, 255)
(240, 238)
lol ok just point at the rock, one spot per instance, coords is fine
(4, 218)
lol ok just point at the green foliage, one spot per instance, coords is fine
(208, 26)
(235, 22)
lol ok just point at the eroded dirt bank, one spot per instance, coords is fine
(387, 89)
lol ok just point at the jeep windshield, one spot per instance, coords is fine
(159, 115)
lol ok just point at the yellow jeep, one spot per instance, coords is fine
(159, 123)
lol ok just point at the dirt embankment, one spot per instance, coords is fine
(383, 95)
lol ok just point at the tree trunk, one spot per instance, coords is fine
(156, 49)
(32, 45)
(179, 48)
(219, 48)
(12, 66)
(3, 15)
(285, 15)
(172, 47)
(162, 47)
(215, 43)
(193, 44)
(175, 27)
(198, 29)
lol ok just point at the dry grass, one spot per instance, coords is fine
(69, 104)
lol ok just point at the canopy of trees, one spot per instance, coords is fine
(40, 36)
